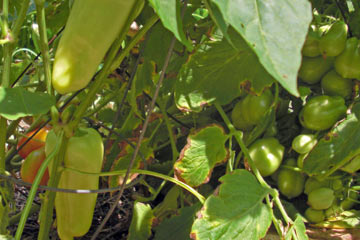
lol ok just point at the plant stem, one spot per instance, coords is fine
(20, 18)
(40, 14)
(175, 152)
(33, 190)
(5, 81)
(47, 206)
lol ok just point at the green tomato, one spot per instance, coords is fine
(333, 210)
(312, 183)
(290, 183)
(311, 45)
(249, 111)
(314, 216)
(335, 85)
(312, 69)
(303, 143)
(322, 112)
(332, 43)
(267, 154)
(347, 64)
(321, 198)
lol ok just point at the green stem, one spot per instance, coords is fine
(47, 206)
(3, 125)
(175, 152)
(5, 82)
(20, 18)
(149, 173)
(273, 192)
(244, 149)
(33, 190)
(40, 13)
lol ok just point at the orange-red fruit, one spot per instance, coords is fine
(31, 165)
(35, 143)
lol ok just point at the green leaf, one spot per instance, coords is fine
(141, 222)
(275, 30)
(336, 148)
(179, 226)
(17, 102)
(169, 13)
(236, 212)
(204, 149)
(299, 228)
(216, 71)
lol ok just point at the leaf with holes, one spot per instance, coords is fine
(215, 73)
(205, 149)
(17, 102)
(275, 30)
(236, 212)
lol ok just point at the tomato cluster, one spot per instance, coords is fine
(330, 65)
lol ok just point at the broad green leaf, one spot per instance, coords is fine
(169, 13)
(337, 147)
(122, 160)
(237, 212)
(216, 71)
(141, 222)
(17, 102)
(275, 30)
(179, 226)
(205, 149)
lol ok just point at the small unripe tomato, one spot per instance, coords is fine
(332, 43)
(267, 154)
(314, 216)
(321, 198)
(36, 142)
(335, 85)
(303, 143)
(249, 111)
(312, 69)
(290, 182)
(347, 64)
(31, 165)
